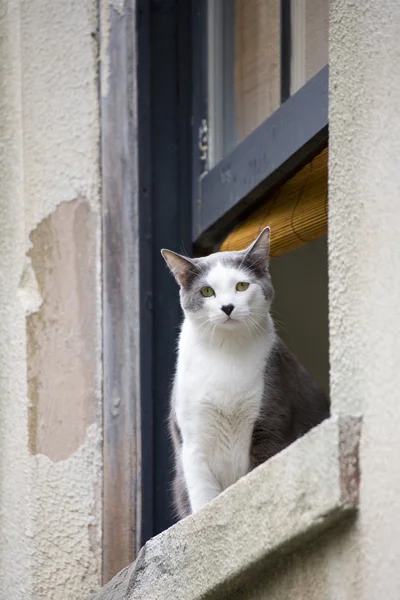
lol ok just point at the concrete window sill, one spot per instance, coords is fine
(292, 497)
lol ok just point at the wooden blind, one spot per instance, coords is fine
(297, 213)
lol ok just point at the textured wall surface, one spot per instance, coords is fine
(50, 294)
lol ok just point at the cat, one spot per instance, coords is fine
(239, 395)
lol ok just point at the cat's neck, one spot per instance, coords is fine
(244, 337)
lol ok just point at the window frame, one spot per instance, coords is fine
(121, 523)
(238, 183)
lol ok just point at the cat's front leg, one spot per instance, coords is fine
(201, 483)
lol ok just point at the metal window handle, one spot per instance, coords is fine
(203, 141)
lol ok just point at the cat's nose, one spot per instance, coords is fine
(228, 308)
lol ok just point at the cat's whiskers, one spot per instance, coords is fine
(248, 328)
(257, 330)
(263, 315)
(202, 325)
(260, 330)
(278, 321)
(213, 331)
(257, 317)
(261, 320)
(205, 326)
(253, 331)
(200, 318)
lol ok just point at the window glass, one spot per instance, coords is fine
(243, 69)
(309, 25)
(244, 63)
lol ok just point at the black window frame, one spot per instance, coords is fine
(164, 87)
(279, 147)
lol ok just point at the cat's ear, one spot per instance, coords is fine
(182, 268)
(258, 251)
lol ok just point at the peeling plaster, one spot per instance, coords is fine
(61, 355)
(28, 290)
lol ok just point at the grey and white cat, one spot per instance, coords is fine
(239, 395)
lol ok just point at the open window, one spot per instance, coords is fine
(224, 130)
(260, 153)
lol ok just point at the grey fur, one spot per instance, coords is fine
(292, 402)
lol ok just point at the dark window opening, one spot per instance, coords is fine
(212, 149)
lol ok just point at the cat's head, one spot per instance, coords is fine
(226, 290)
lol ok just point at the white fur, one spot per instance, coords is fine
(219, 383)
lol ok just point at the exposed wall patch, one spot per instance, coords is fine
(62, 376)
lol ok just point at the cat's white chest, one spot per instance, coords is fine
(218, 398)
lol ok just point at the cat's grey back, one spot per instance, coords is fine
(292, 404)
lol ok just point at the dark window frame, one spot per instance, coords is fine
(164, 174)
(281, 145)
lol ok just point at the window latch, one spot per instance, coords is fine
(203, 142)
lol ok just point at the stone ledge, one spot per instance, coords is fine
(306, 488)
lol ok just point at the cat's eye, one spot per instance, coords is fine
(242, 286)
(207, 292)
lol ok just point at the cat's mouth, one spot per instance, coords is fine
(230, 320)
(227, 323)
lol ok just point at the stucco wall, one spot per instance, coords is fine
(50, 312)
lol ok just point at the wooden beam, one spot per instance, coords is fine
(122, 444)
